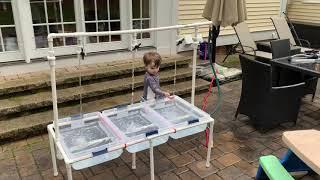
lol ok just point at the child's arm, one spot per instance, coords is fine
(156, 88)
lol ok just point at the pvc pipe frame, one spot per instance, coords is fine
(51, 58)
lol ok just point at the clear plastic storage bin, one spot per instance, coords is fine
(88, 135)
(136, 122)
(180, 113)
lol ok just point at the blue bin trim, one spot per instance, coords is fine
(76, 116)
(104, 151)
(151, 133)
(65, 126)
(122, 106)
(193, 121)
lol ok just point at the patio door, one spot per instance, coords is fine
(60, 16)
(9, 47)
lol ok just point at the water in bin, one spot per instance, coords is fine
(133, 124)
(84, 138)
(180, 113)
(85, 135)
(136, 122)
(174, 112)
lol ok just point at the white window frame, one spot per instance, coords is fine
(113, 45)
(62, 22)
(43, 52)
(146, 41)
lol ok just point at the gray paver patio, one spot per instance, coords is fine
(237, 146)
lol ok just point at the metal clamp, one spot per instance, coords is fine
(82, 54)
(137, 46)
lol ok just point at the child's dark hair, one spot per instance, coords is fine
(152, 57)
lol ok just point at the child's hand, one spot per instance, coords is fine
(166, 94)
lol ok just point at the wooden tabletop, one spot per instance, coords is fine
(306, 145)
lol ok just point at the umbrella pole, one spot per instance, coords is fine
(214, 35)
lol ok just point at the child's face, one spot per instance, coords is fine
(152, 69)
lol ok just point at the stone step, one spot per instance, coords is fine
(18, 104)
(70, 75)
(34, 124)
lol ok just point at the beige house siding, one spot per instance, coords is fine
(259, 13)
(301, 11)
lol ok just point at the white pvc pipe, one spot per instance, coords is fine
(69, 171)
(194, 64)
(53, 154)
(52, 63)
(131, 31)
(133, 160)
(114, 148)
(209, 145)
(151, 161)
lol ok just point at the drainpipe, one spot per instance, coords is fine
(283, 7)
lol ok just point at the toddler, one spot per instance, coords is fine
(151, 89)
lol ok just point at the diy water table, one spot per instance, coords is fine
(89, 139)
(98, 137)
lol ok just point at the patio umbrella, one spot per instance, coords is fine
(223, 13)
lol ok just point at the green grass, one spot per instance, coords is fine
(232, 62)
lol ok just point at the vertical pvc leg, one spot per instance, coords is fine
(151, 162)
(69, 171)
(58, 154)
(133, 160)
(52, 64)
(210, 145)
(53, 155)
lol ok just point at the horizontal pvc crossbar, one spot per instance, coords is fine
(131, 31)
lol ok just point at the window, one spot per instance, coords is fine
(53, 16)
(8, 35)
(102, 15)
(141, 16)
